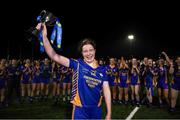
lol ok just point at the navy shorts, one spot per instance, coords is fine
(25, 81)
(36, 80)
(67, 80)
(46, 80)
(87, 112)
(123, 85)
(2, 83)
(162, 85)
(176, 86)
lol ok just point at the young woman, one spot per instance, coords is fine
(46, 74)
(148, 73)
(123, 81)
(162, 82)
(13, 71)
(175, 86)
(135, 82)
(67, 84)
(36, 81)
(101, 62)
(57, 81)
(112, 72)
(143, 65)
(88, 79)
(25, 81)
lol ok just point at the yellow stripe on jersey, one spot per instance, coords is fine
(76, 101)
(75, 94)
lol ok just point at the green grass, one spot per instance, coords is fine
(42, 110)
(155, 113)
(37, 110)
(119, 111)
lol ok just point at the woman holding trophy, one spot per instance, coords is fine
(89, 79)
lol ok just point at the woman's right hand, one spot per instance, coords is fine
(43, 27)
(38, 27)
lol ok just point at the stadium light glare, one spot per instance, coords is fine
(131, 37)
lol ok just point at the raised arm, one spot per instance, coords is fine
(171, 69)
(167, 58)
(49, 50)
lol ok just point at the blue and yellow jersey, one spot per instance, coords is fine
(162, 71)
(149, 76)
(13, 71)
(36, 72)
(86, 84)
(123, 74)
(68, 75)
(111, 74)
(111, 71)
(46, 71)
(26, 74)
(176, 74)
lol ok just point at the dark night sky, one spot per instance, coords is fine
(155, 26)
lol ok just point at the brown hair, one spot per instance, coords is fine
(86, 41)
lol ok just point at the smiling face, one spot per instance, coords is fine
(101, 62)
(145, 60)
(37, 64)
(14, 62)
(112, 61)
(134, 62)
(46, 61)
(27, 64)
(150, 62)
(88, 53)
(161, 62)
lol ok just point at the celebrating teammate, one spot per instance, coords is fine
(88, 79)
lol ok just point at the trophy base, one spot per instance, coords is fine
(32, 34)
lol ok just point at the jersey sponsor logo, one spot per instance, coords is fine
(92, 82)
(84, 70)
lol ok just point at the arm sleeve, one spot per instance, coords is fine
(73, 63)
